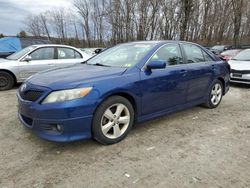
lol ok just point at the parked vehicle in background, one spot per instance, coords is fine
(240, 67)
(21, 65)
(92, 51)
(220, 48)
(128, 83)
(229, 54)
(10, 45)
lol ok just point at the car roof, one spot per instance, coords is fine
(161, 42)
(54, 45)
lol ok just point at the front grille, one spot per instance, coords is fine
(27, 120)
(30, 95)
(240, 71)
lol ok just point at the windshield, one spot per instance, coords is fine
(243, 56)
(230, 52)
(87, 51)
(124, 55)
(21, 53)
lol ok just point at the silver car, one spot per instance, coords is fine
(21, 65)
(240, 67)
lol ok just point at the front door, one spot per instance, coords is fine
(162, 89)
(41, 59)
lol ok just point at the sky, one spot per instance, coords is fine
(14, 12)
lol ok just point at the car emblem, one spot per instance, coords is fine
(23, 87)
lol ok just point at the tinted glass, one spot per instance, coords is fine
(206, 56)
(194, 54)
(124, 55)
(21, 53)
(169, 53)
(43, 54)
(67, 53)
(243, 55)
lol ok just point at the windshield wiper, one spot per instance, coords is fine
(99, 64)
(84, 62)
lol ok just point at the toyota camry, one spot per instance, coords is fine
(105, 96)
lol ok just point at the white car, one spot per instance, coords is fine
(21, 65)
(240, 67)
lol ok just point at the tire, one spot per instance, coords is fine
(113, 120)
(6, 81)
(215, 94)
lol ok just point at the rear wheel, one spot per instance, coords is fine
(215, 94)
(113, 120)
(6, 81)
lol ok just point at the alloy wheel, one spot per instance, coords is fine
(216, 94)
(115, 121)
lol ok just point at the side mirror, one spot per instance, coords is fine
(97, 51)
(27, 58)
(157, 64)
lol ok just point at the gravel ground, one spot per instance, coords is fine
(197, 147)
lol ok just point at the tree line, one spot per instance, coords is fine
(92, 23)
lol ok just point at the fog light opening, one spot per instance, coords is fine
(59, 128)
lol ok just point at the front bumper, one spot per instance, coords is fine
(61, 122)
(240, 78)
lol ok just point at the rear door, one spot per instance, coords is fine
(67, 56)
(41, 59)
(199, 71)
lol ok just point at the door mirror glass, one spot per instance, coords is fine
(157, 64)
(27, 58)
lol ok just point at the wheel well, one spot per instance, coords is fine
(126, 96)
(223, 83)
(11, 73)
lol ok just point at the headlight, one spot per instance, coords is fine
(65, 95)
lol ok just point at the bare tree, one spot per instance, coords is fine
(33, 25)
(108, 22)
(237, 12)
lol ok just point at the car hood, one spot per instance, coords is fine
(2, 60)
(72, 76)
(239, 65)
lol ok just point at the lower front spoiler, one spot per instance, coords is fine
(71, 129)
(240, 81)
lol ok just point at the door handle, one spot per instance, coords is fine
(183, 72)
(51, 64)
(213, 67)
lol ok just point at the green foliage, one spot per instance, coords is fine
(1, 35)
(22, 34)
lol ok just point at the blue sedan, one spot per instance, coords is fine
(132, 82)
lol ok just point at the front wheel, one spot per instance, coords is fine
(6, 81)
(113, 120)
(215, 94)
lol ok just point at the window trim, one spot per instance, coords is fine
(202, 51)
(181, 52)
(57, 57)
(38, 48)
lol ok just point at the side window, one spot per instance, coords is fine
(195, 54)
(207, 57)
(67, 53)
(77, 55)
(170, 53)
(43, 54)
